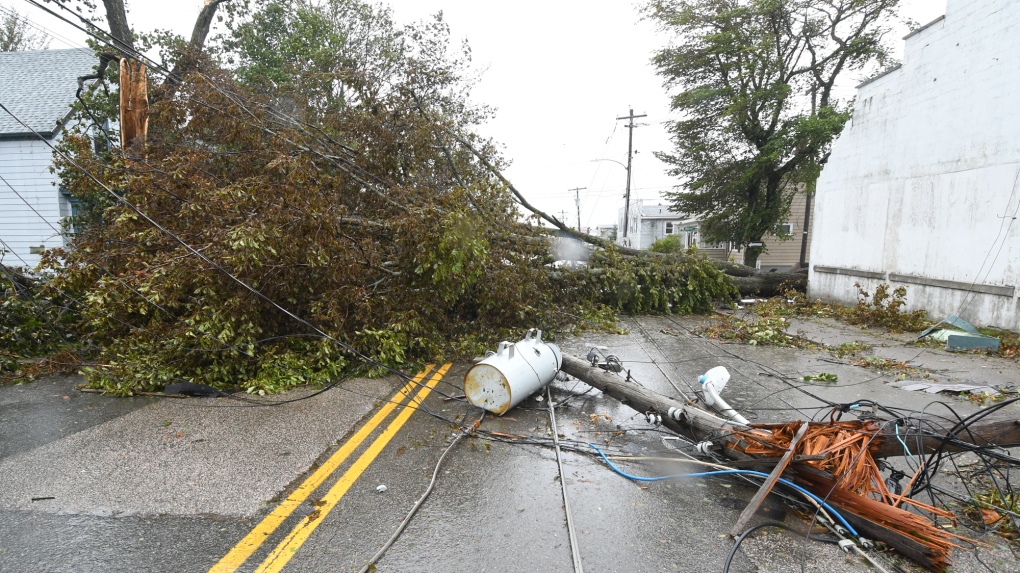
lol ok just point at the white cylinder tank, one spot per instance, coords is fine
(513, 373)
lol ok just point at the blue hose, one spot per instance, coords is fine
(731, 472)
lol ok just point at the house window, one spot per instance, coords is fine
(670, 228)
(70, 208)
(786, 229)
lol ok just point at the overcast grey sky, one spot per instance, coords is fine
(559, 73)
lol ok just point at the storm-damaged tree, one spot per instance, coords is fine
(115, 38)
(344, 181)
(753, 84)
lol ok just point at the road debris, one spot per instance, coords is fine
(963, 335)
(839, 461)
(935, 387)
(514, 372)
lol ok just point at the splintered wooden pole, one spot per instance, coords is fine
(766, 487)
(134, 106)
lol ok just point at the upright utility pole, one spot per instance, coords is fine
(804, 236)
(630, 152)
(577, 203)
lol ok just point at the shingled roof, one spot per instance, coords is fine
(38, 87)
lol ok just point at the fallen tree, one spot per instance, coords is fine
(834, 459)
(748, 280)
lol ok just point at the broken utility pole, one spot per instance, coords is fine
(134, 105)
(834, 459)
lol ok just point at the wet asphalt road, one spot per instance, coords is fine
(146, 484)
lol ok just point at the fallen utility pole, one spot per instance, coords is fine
(836, 461)
(693, 422)
(683, 418)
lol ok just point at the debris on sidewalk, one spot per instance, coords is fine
(966, 337)
(936, 387)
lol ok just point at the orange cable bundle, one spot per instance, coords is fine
(856, 483)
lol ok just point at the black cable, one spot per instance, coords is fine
(347, 347)
(740, 539)
(768, 369)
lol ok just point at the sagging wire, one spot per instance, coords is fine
(769, 370)
(677, 370)
(715, 473)
(370, 565)
(931, 465)
(946, 437)
(575, 551)
(740, 539)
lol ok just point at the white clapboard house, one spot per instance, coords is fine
(37, 87)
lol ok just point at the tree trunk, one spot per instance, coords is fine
(767, 285)
(751, 254)
(203, 23)
(116, 17)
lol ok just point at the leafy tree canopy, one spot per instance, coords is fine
(752, 82)
(347, 185)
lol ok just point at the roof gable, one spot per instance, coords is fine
(658, 212)
(38, 87)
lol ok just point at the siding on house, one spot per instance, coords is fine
(25, 166)
(781, 254)
(38, 88)
(922, 186)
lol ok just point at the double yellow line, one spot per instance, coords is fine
(286, 549)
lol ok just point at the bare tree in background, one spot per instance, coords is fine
(16, 35)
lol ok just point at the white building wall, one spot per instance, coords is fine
(922, 186)
(25, 165)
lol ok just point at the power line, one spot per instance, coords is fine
(343, 345)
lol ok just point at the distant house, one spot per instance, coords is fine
(607, 232)
(922, 189)
(38, 87)
(649, 223)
